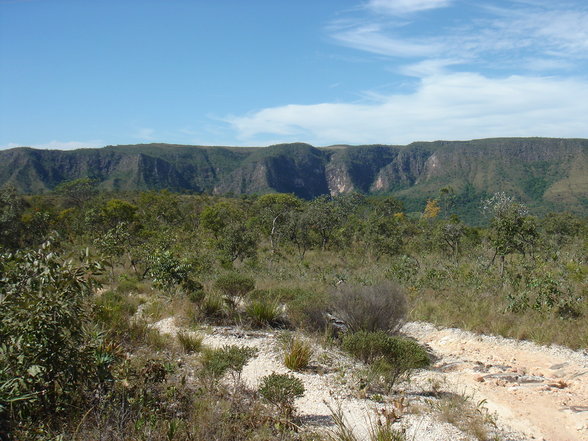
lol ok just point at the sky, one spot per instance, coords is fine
(87, 73)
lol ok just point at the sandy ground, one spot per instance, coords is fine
(535, 392)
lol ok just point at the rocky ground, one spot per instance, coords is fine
(479, 387)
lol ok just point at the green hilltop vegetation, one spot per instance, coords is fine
(546, 174)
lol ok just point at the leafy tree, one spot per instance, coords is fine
(217, 217)
(167, 270)
(275, 210)
(162, 207)
(386, 205)
(11, 209)
(37, 226)
(239, 241)
(449, 234)
(78, 191)
(447, 200)
(234, 236)
(117, 211)
(297, 230)
(512, 230)
(114, 243)
(561, 227)
(326, 214)
(383, 234)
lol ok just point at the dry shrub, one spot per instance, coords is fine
(297, 353)
(190, 342)
(380, 307)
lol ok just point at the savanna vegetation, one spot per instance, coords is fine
(83, 274)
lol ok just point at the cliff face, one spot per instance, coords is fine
(545, 172)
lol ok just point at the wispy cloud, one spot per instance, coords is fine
(372, 38)
(57, 145)
(445, 106)
(402, 7)
(555, 33)
(144, 134)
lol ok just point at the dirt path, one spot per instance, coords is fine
(539, 391)
(330, 383)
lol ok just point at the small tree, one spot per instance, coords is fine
(167, 271)
(449, 234)
(432, 209)
(512, 230)
(274, 211)
(383, 235)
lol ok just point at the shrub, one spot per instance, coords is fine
(50, 353)
(234, 287)
(281, 390)
(307, 311)
(216, 362)
(390, 357)
(190, 342)
(194, 290)
(114, 309)
(212, 306)
(470, 417)
(297, 353)
(167, 271)
(263, 312)
(373, 308)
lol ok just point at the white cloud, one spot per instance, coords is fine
(58, 145)
(401, 7)
(445, 106)
(371, 38)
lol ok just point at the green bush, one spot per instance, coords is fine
(390, 357)
(234, 287)
(281, 390)
(216, 362)
(50, 354)
(168, 271)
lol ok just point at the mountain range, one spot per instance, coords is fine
(546, 173)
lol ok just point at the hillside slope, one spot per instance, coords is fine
(546, 173)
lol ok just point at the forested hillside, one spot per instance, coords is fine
(546, 174)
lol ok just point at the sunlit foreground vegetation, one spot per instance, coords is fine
(83, 274)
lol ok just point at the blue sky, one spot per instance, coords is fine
(87, 73)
